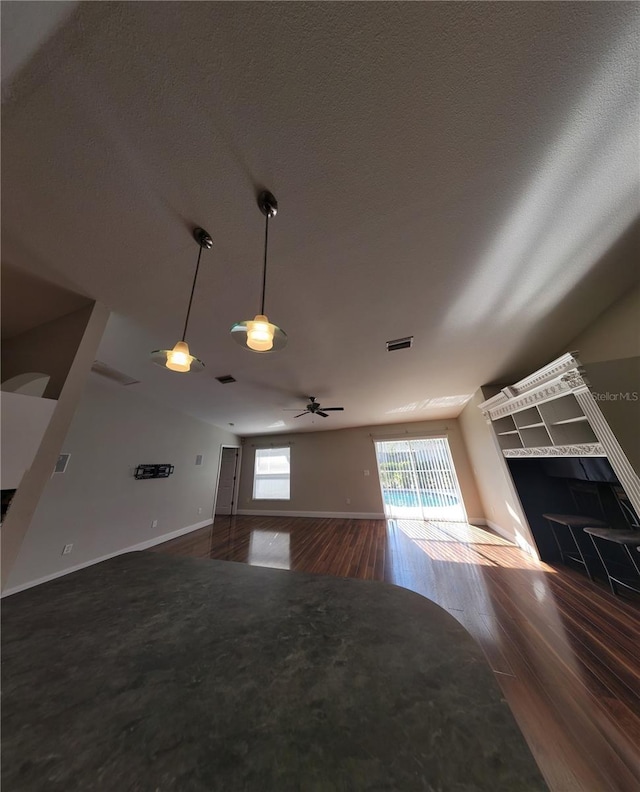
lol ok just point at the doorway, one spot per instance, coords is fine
(418, 480)
(227, 480)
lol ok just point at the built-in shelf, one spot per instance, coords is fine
(535, 437)
(553, 413)
(570, 433)
(504, 425)
(528, 417)
(554, 422)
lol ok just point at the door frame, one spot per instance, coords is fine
(236, 486)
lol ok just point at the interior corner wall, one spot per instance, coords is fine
(613, 335)
(32, 485)
(49, 348)
(609, 349)
(328, 468)
(501, 504)
(97, 505)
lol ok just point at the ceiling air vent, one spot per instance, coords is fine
(226, 379)
(110, 373)
(399, 343)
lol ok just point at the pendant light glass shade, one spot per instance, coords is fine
(259, 334)
(179, 358)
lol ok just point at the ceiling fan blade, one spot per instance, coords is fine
(290, 409)
(323, 414)
(332, 409)
(301, 414)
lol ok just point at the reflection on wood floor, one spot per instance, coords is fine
(565, 652)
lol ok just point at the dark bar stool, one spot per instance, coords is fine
(574, 525)
(627, 541)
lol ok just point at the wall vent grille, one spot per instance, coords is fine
(226, 379)
(61, 464)
(114, 375)
(399, 343)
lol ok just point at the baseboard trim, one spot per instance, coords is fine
(140, 546)
(338, 515)
(499, 530)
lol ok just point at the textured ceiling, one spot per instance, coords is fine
(463, 172)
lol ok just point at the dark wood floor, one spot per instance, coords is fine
(565, 652)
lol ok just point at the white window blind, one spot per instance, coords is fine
(271, 474)
(418, 480)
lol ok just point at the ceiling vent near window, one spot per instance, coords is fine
(103, 370)
(226, 379)
(399, 343)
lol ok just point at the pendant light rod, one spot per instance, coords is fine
(259, 334)
(269, 208)
(204, 241)
(193, 288)
(264, 267)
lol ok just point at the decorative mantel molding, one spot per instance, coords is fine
(582, 450)
(564, 375)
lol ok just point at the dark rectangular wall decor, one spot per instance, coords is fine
(153, 471)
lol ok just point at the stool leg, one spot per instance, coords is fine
(580, 553)
(634, 563)
(612, 584)
(555, 536)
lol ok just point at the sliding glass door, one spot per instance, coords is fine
(418, 480)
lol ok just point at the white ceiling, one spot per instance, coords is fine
(464, 173)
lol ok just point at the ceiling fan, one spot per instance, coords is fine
(315, 409)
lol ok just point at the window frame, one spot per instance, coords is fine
(265, 476)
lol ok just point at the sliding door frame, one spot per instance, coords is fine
(408, 438)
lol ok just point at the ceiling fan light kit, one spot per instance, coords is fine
(179, 358)
(259, 334)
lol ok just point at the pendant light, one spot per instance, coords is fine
(259, 334)
(179, 358)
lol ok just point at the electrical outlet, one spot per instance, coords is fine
(199, 510)
(67, 549)
(348, 500)
(154, 524)
(366, 472)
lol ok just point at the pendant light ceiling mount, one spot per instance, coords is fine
(179, 358)
(268, 204)
(203, 238)
(259, 334)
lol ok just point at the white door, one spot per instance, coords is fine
(227, 481)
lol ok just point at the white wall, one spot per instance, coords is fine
(24, 421)
(327, 468)
(500, 502)
(97, 505)
(80, 340)
(613, 335)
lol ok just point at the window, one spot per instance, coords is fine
(271, 474)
